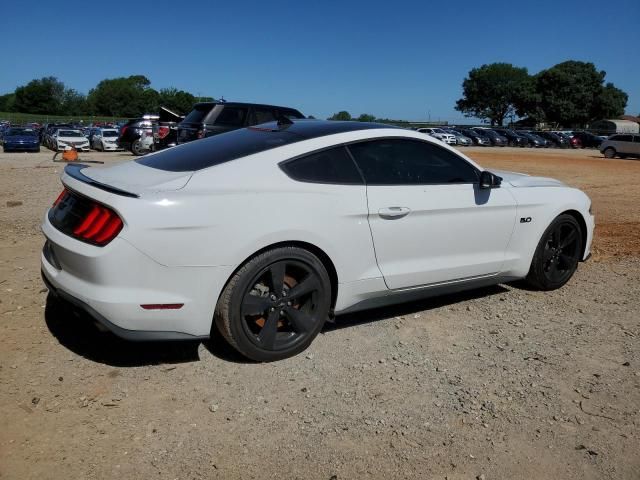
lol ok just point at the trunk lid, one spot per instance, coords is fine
(130, 177)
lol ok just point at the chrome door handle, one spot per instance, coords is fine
(393, 213)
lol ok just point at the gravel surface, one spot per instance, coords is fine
(496, 383)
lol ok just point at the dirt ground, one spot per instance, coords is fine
(500, 383)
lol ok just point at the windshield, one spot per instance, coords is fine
(109, 133)
(21, 131)
(70, 133)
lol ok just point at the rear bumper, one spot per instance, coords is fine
(132, 335)
(111, 283)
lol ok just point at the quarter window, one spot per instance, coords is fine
(410, 162)
(328, 166)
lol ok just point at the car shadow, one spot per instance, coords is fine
(78, 332)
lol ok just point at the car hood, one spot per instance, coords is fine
(523, 180)
(136, 178)
(72, 139)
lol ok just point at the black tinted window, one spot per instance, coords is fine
(232, 116)
(218, 149)
(328, 166)
(622, 138)
(398, 162)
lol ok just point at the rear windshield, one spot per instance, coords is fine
(20, 131)
(218, 149)
(69, 133)
(197, 114)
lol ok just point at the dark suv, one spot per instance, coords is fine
(137, 135)
(211, 118)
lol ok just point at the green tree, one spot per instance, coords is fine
(366, 117)
(342, 115)
(44, 95)
(569, 91)
(176, 100)
(73, 103)
(610, 103)
(123, 97)
(494, 92)
(7, 102)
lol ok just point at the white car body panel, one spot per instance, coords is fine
(80, 143)
(188, 232)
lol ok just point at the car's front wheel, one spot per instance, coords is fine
(275, 305)
(138, 149)
(557, 255)
(609, 152)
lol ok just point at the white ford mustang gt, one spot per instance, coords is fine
(268, 231)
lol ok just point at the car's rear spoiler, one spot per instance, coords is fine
(74, 170)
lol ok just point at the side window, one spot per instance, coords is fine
(232, 116)
(622, 138)
(262, 115)
(328, 166)
(410, 162)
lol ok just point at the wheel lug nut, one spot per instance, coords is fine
(273, 297)
(272, 309)
(289, 304)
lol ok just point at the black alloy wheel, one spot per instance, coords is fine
(275, 305)
(557, 255)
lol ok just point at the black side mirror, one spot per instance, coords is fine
(489, 180)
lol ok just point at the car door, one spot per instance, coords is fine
(96, 138)
(430, 221)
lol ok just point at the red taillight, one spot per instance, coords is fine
(200, 134)
(124, 129)
(60, 197)
(163, 132)
(100, 225)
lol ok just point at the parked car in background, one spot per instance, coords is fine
(211, 118)
(495, 139)
(476, 138)
(513, 139)
(105, 139)
(588, 140)
(534, 140)
(137, 135)
(440, 134)
(20, 139)
(64, 137)
(621, 145)
(554, 139)
(165, 130)
(461, 140)
(47, 139)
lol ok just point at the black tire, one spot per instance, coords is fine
(609, 152)
(557, 254)
(265, 324)
(38, 150)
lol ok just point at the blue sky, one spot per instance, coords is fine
(395, 59)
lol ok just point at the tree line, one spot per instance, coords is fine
(113, 97)
(570, 94)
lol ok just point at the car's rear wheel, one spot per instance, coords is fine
(557, 255)
(275, 305)
(609, 152)
(138, 149)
